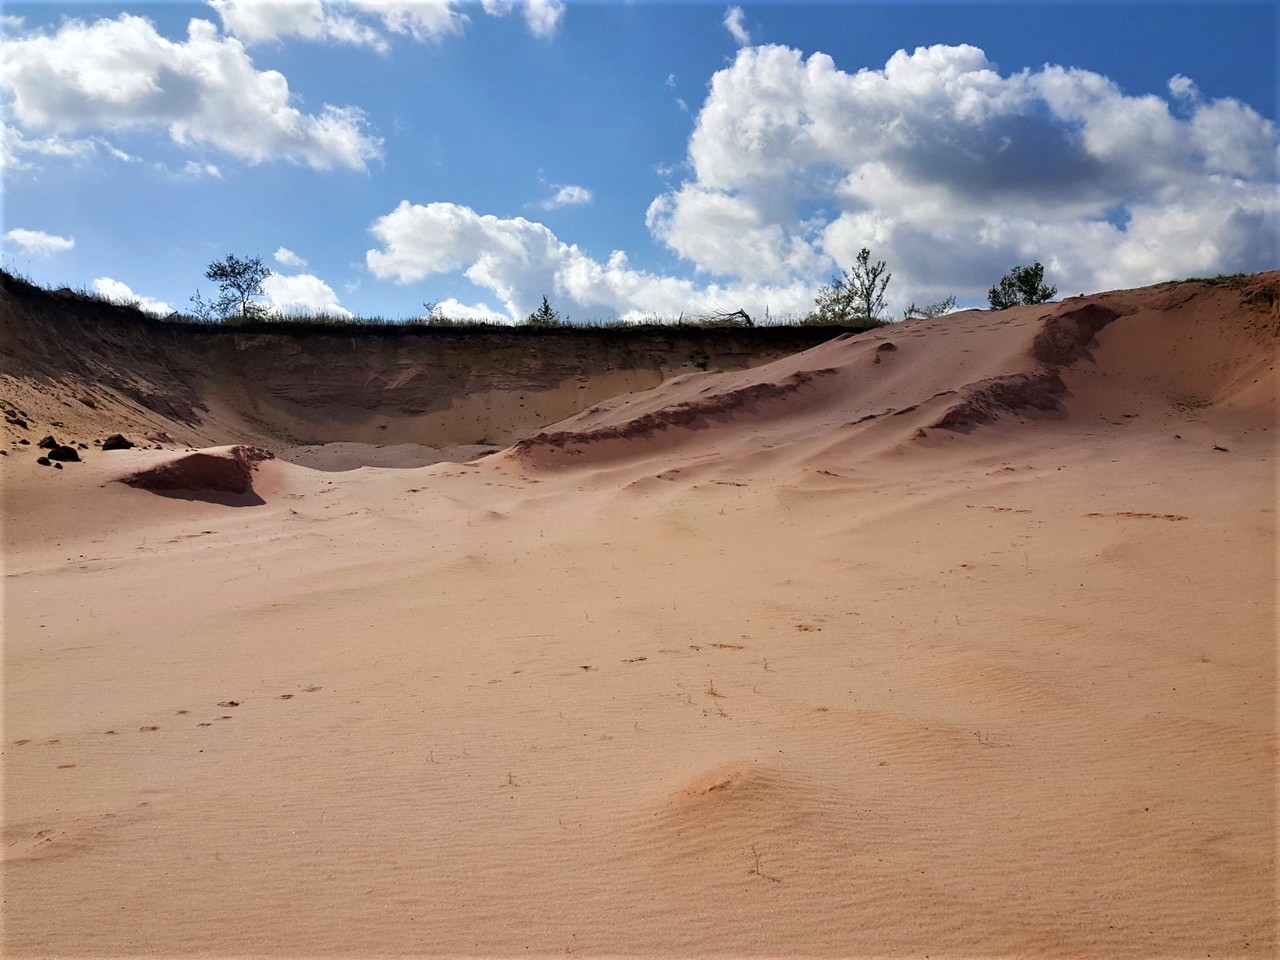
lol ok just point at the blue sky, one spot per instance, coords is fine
(632, 159)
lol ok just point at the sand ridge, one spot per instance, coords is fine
(787, 678)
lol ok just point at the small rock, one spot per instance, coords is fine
(4, 453)
(1220, 448)
(57, 466)
(83, 446)
(117, 441)
(43, 461)
(887, 345)
(65, 454)
(17, 422)
(48, 443)
(25, 442)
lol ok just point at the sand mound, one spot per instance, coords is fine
(1167, 347)
(214, 470)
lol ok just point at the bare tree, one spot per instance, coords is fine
(854, 297)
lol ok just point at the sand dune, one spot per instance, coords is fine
(954, 638)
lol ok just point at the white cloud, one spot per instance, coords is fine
(567, 196)
(287, 258)
(953, 172)
(260, 21)
(422, 20)
(520, 260)
(543, 16)
(456, 310)
(119, 292)
(11, 24)
(362, 22)
(726, 234)
(39, 243)
(16, 148)
(734, 22)
(195, 170)
(122, 75)
(301, 294)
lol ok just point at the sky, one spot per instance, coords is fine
(631, 160)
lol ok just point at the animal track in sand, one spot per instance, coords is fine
(1131, 515)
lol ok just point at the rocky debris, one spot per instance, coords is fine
(43, 461)
(117, 441)
(48, 443)
(65, 454)
(17, 422)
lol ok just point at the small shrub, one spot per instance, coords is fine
(1021, 286)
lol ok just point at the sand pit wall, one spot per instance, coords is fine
(103, 369)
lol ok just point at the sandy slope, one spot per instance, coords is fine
(754, 664)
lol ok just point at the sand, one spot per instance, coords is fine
(761, 663)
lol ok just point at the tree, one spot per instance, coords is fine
(544, 316)
(931, 310)
(239, 282)
(854, 297)
(1021, 286)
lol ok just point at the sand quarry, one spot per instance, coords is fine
(954, 638)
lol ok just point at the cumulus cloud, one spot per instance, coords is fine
(39, 243)
(122, 75)
(118, 292)
(735, 23)
(567, 196)
(952, 172)
(301, 294)
(520, 260)
(287, 258)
